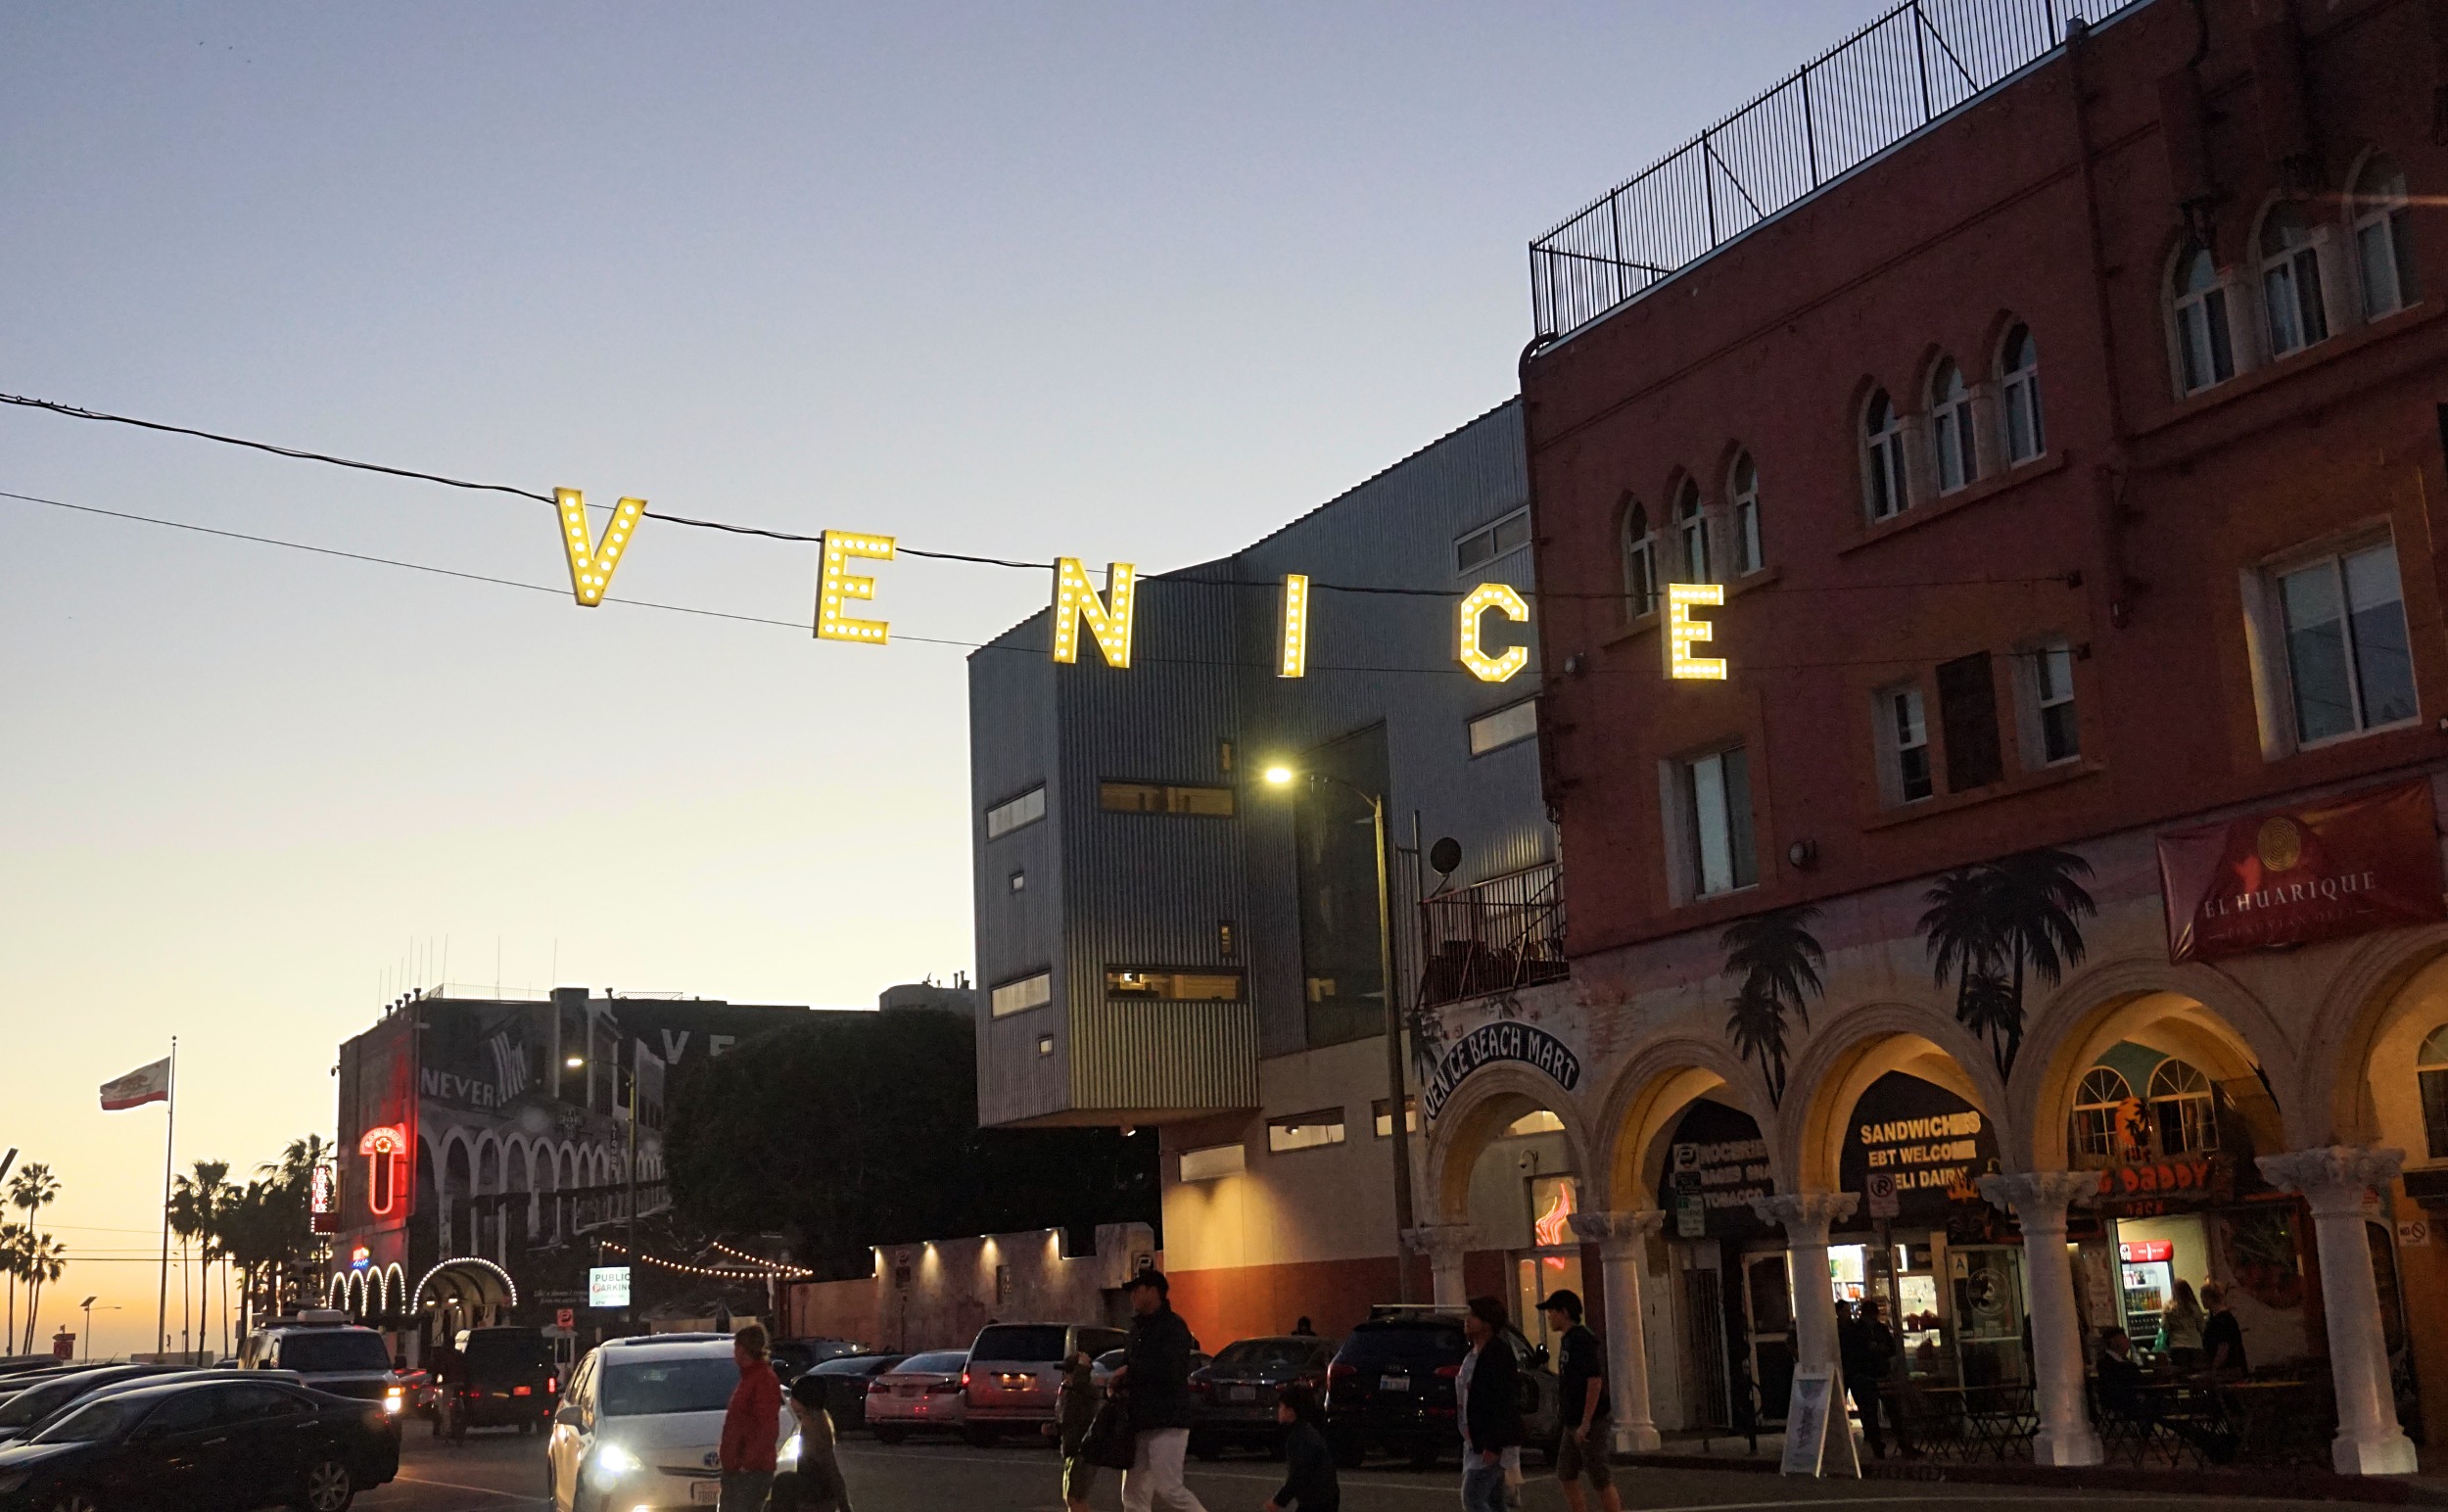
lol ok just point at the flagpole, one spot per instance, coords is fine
(161, 1312)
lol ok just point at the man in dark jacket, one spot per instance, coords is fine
(1866, 1348)
(1155, 1382)
(1490, 1384)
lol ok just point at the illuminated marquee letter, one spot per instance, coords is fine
(1481, 599)
(1076, 600)
(386, 1148)
(591, 564)
(836, 585)
(1682, 632)
(1296, 627)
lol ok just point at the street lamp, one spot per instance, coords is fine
(1397, 1124)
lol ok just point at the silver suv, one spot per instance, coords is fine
(328, 1353)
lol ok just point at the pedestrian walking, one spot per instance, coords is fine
(814, 1483)
(1581, 1453)
(1866, 1348)
(1155, 1382)
(2222, 1337)
(1487, 1404)
(2180, 1329)
(1310, 1482)
(751, 1424)
(1075, 1409)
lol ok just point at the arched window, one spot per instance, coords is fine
(1742, 487)
(1691, 532)
(1640, 566)
(2384, 239)
(2205, 352)
(2291, 281)
(1882, 457)
(2096, 1105)
(2181, 1111)
(2430, 1074)
(2019, 390)
(1951, 428)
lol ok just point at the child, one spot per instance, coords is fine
(1309, 1466)
(1075, 1407)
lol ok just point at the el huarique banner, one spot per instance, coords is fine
(2363, 860)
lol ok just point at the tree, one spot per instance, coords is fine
(45, 1258)
(1988, 924)
(32, 1188)
(1777, 961)
(848, 1130)
(12, 1265)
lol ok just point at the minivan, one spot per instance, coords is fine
(1015, 1368)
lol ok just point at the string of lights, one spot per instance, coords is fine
(752, 1259)
(684, 1268)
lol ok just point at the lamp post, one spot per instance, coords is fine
(1397, 1125)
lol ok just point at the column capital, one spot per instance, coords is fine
(2332, 1178)
(1445, 1243)
(1805, 1215)
(1617, 1231)
(2039, 1198)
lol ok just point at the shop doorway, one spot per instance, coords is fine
(1769, 1303)
(1987, 1283)
(1553, 1260)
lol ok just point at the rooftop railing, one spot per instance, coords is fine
(1498, 935)
(1865, 94)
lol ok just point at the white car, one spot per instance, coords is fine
(641, 1424)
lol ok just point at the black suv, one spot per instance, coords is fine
(503, 1377)
(1390, 1386)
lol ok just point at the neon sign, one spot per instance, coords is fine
(1551, 1225)
(592, 562)
(1475, 606)
(385, 1147)
(837, 584)
(1682, 632)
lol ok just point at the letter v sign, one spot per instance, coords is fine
(591, 564)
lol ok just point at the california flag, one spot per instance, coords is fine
(147, 1084)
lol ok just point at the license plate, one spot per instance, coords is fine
(704, 1494)
(1241, 1394)
(1017, 1383)
(1393, 1383)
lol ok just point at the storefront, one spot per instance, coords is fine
(1732, 1291)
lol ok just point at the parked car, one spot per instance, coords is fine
(795, 1357)
(1015, 1369)
(1104, 1367)
(1235, 1395)
(845, 1379)
(922, 1393)
(27, 1409)
(213, 1445)
(505, 1379)
(330, 1354)
(641, 1424)
(1390, 1386)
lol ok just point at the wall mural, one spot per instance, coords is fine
(1987, 923)
(1778, 959)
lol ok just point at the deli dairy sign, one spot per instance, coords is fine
(2365, 861)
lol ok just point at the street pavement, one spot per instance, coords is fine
(494, 1472)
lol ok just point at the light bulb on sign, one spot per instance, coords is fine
(1075, 599)
(1295, 662)
(1682, 632)
(835, 583)
(1475, 605)
(590, 570)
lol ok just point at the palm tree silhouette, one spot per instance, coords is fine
(1986, 924)
(1778, 959)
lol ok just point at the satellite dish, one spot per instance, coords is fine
(1445, 858)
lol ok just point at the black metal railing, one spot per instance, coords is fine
(1494, 936)
(1868, 92)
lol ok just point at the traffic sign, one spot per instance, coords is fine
(565, 1317)
(1880, 1189)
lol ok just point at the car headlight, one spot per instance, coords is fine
(790, 1449)
(612, 1459)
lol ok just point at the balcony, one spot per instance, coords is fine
(1499, 935)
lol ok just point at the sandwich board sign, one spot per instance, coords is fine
(1816, 1409)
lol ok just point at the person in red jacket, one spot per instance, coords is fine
(750, 1424)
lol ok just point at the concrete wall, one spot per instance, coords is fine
(937, 1294)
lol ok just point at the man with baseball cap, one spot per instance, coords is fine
(1582, 1372)
(1155, 1385)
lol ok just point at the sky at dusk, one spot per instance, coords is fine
(1122, 282)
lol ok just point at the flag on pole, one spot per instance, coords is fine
(146, 1084)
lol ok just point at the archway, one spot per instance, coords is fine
(469, 1292)
(1508, 1170)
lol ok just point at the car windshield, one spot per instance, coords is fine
(1038, 1341)
(943, 1363)
(650, 1387)
(338, 1350)
(93, 1422)
(1258, 1354)
(1404, 1343)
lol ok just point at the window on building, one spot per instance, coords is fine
(1742, 487)
(1019, 881)
(1951, 429)
(1226, 941)
(2430, 1075)
(2347, 659)
(1716, 798)
(1045, 1044)
(1306, 1131)
(1214, 1163)
(2181, 1109)
(1968, 711)
(2058, 736)
(1013, 812)
(1385, 1121)
(2096, 1105)
(1641, 563)
(1691, 533)
(2384, 239)
(1541, 1122)
(2291, 281)
(1506, 726)
(1172, 986)
(1882, 457)
(2019, 390)
(1022, 994)
(1165, 799)
(1904, 731)
(1490, 542)
(2204, 347)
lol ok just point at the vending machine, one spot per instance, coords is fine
(2149, 1281)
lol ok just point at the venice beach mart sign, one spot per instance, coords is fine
(1108, 616)
(1502, 1041)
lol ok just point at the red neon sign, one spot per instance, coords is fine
(2142, 1251)
(386, 1148)
(1550, 1225)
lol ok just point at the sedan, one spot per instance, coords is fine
(213, 1446)
(845, 1379)
(28, 1411)
(1235, 1396)
(920, 1393)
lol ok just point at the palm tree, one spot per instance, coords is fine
(32, 1188)
(1987, 923)
(44, 1258)
(11, 1237)
(1778, 959)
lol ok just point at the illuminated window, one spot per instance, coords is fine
(1026, 809)
(2019, 390)
(1214, 1163)
(1022, 994)
(1903, 730)
(2055, 734)
(1951, 429)
(2204, 348)
(1512, 723)
(2430, 1075)
(1306, 1131)
(1385, 1121)
(1165, 798)
(2348, 661)
(2291, 281)
(1019, 881)
(1691, 531)
(1045, 1044)
(1742, 487)
(2384, 240)
(1882, 458)
(1640, 562)
(1716, 800)
(2181, 1109)
(1540, 1123)
(1490, 542)
(2095, 1104)
(1172, 986)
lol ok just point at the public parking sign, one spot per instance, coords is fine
(1880, 1190)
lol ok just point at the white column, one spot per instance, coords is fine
(1804, 1216)
(2039, 1200)
(1622, 1240)
(1444, 1244)
(2334, 1182)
